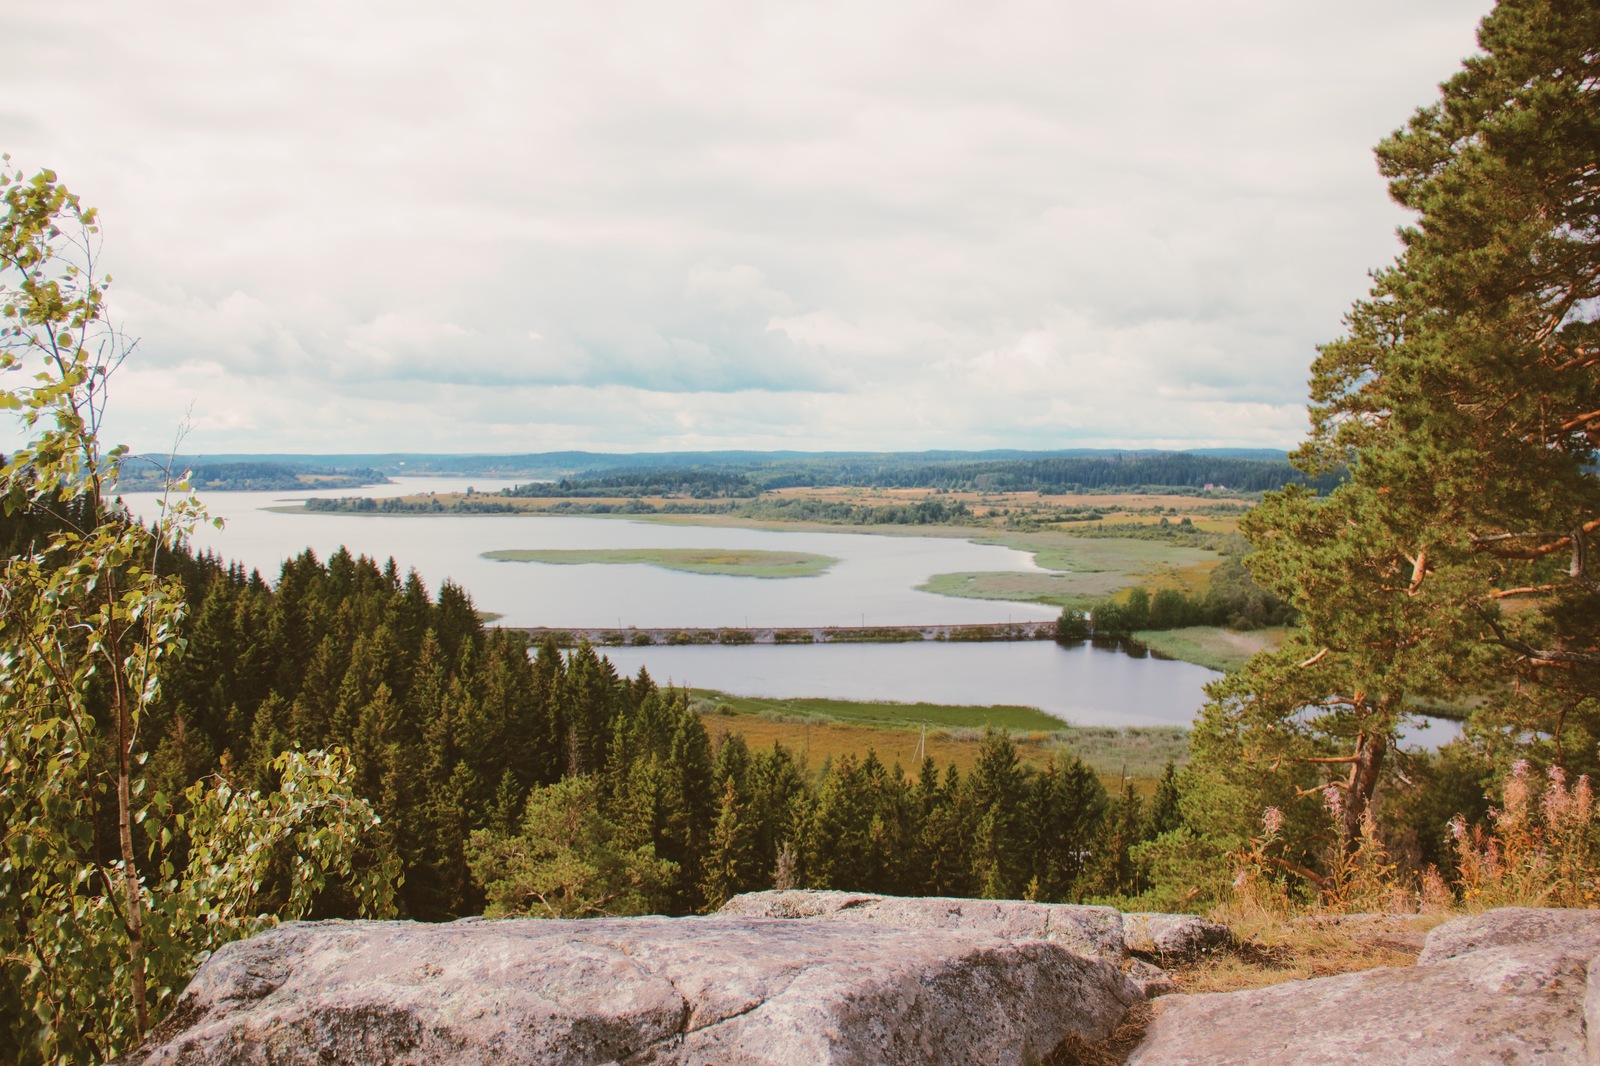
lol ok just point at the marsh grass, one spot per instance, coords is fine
(951, 734)
(1211, 646)
(729, 562)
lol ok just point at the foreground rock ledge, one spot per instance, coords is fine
(1508, 986)
(724, 989)
(1103, 932)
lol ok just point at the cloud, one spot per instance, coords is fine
(372, 226)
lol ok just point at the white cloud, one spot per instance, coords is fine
(360, 226)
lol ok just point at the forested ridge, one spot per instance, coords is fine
(1049, 475)
(256, 475)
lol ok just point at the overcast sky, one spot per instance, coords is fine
(484, 226)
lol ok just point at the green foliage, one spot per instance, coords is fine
(566, 861)
(1453, 564)
(111, 894)
(1231, 599)
(998, 788)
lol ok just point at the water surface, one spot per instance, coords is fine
(874, 582)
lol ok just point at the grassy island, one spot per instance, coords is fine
(731, 562)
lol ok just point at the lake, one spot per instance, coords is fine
(1082, 684)
(874, 583)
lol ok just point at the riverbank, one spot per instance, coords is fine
(1073, 567)
(1213, 647)
(820, 729)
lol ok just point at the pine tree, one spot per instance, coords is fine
(1453, 562)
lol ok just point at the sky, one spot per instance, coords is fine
(485, 226)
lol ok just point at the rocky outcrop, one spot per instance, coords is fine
(1172, 937)
(808, 978)
(1103, 932)
(727, 989)
(1509, 986)
(1096, 931)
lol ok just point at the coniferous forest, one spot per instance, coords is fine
(452, 727)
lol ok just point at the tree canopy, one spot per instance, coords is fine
(1464, 399)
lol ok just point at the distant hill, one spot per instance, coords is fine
(246, 475)
(1053, 474)
(590, 465)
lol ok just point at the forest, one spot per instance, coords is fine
(784, 509)
(253, 476)
(451, 726)
(1050, 475)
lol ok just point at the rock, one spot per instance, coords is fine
(796, 903)
(723, 990)
(1503, 987)
(1096, 931)
(1503, 927)
(1172, 936)
(1151, 980)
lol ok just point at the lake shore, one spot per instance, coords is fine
(820, 729)
(1073, 568)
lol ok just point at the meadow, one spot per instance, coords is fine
(817, 730)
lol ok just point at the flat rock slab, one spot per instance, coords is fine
(1508, 927)
(1505, 987)
(1096, 931)
(726, 990)
(1172, 936)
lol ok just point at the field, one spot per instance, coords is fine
(1212, 512)
(1210, 646)
(820, 729)
(729, 561)
(1079, 570)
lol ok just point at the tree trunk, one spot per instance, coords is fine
(1363, 782)
(133, 900)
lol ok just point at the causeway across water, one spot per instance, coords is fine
(630, 635)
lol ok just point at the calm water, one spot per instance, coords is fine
(1084, 684)
(873, 584)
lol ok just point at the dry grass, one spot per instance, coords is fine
(731, 562)
(1211, 646)
(1059, 589)
(1272, 948)
(817, 741)
(1112, 1051)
